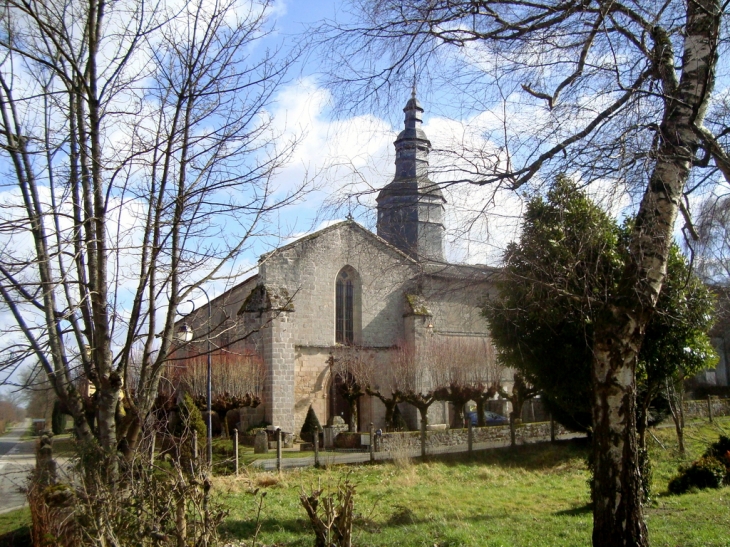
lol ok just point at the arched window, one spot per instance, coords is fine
(344, 308)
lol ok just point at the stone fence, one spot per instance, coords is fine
(702, 408)
(411, 440)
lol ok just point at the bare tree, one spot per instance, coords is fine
(619, 91)
(521, 392)
(466, 370)
(389, 384)
(418, 389)
(236, 381)
(352, 369)
(712, 250)
(139, 155)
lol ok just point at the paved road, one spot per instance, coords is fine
(331, 458)
(16, 460)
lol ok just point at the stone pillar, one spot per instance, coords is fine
(279, 356)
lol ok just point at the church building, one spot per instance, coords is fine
(345, 285)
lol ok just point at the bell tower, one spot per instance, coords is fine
(411, 207)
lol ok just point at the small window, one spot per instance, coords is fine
(344, 304)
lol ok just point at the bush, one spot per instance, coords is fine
(190, 419)
(707, 472)
(310, 427)
(719, 449)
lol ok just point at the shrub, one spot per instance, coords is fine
(331, 514)
(310, 427)
(720, 448)
(190, 419)
(707, 472)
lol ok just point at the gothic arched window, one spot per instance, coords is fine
(345, 307)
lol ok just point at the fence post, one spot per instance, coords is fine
(470, 429)
(552, 429)
(195, 445)
(372, 442)
(316, 447)
(278, 449)
(709, 407)
(235, 447)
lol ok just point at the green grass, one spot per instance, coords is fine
(535, 495)
(530, 496)
(15, 528)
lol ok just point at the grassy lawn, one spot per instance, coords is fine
(535, 495)
(15, 528)
(530, 496)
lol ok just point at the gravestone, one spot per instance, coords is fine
(261, 443)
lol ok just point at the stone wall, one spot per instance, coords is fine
(699, 409)
(308, 268)
(411, 440)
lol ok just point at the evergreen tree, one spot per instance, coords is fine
(311, 426)
(558, 277)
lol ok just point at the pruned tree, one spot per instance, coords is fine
(619, 91)
(522, 392)
(389, 384)
(139, 153)
(419, 389)
(237, 380)
(465, 370)
(353, 367)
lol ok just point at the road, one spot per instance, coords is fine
(17, 458)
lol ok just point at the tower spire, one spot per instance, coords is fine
(410, 209)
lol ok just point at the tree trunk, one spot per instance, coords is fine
(424, 424)
(458, 421)
(642, 423)
(675, 397)
(390, 405)
(616, 488)
(617, 512)
(481, 422)
(352, 425)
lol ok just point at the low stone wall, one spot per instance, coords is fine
(411, 440)
(700, 409)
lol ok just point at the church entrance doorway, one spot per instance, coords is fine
(339, 405)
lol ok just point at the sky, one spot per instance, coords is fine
(354, 155)
(349, 157)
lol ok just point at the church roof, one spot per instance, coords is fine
(467, 272)
(337, 226)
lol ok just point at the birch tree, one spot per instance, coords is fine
(615, 91)
(138, 153)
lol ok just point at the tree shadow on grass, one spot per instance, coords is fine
(245, 529)
(532, 457)
(301, 530)
(576, 511)
(17, 538)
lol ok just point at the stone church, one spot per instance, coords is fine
(345, 285)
